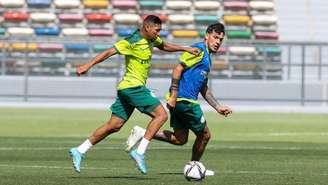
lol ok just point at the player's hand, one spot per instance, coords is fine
(224, 110)
(194, 51)
(82, 70)
(171, 102)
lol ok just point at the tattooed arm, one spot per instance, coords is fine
(211, 100)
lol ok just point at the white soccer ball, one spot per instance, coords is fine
(194, 170)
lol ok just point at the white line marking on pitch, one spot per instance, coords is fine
(114, 169)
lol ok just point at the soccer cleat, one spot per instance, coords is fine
(135, 136)
(76, 159)
(140, 161)
(209, 173)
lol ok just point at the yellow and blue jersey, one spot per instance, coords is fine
(137, 51)
(195, 74)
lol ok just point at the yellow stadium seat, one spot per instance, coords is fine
(237, 19)
(97, 4)
(185, 33)
(24, 47)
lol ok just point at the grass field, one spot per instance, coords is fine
(246, 148)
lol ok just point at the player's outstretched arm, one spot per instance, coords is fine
(208, 96)
(166, 46)
(99, 58)
(174, 88)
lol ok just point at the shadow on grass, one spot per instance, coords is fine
(116, 177)
(170, 173)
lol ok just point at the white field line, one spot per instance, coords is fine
(187, 147)
(130, 169)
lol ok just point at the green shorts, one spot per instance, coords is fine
(188, 115)
(135, 97)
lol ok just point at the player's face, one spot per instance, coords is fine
(214, 41)
(152, 30)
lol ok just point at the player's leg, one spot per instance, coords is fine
(147, 103)
(178, 137)
(120, 113)
(159, 116)
(200, 144)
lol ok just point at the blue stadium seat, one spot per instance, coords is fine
(77, 47)
(124, 32)
(53, 31)
(39, 3)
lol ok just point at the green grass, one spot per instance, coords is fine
(246, 148)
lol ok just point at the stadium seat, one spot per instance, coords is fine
(236, 5)
(151, 4)
(97, 48)
(264, 19)
(101, 32)
(77, 48)
(98, 17)
(38, 3)
(207, 5)
(239, 34)
(164, 33)
(185, 33)
(12, 3)
(46, 47)
(237, 19)
(124, 4)
(266, 36)
(124, 32)
(269, 51)
(15, 16)
(178, 5)
(50, 31)
(261, 5)
(75, 31)
(70, 18)
(43, 17)
(96, 4)
(206, 19)
(180, 19)
(2, 31)
(124, 18)
(235, 50)
(21, 47)
(20, 31)
(67, 4)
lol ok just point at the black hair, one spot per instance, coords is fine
(153, 19)
(217, 27)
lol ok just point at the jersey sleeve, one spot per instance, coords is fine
(158, 42)
(123, 47)
(188, 59)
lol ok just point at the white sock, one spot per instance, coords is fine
(84, 147)
(142, 146)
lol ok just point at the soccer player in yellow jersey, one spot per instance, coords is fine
(132, 92)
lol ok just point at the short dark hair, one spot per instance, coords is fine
(217, 27)
(152, 19)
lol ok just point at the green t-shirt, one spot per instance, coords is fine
(138, 52)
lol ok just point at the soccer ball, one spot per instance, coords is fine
(194, 170)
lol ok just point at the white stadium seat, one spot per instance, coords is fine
(178, 5)
(261, 5)
(24, 31)
(236, 50)
(181, 19)
(264, 19)
(65, 4)
(75, 32)
(127, 18)
(12, 3)
(207, 5)
(43, 17)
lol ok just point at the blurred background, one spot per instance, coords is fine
(274, 54)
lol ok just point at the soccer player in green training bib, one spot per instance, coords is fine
(131, 91)
(189, 79)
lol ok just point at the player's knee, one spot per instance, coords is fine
(181, 141)
(207, 136)
(162, 116)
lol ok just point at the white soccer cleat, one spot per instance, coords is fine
(135, 136)
(209, 173)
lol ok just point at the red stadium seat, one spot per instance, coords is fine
(15, 16)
